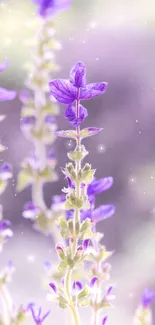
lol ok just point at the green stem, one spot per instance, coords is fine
(73, 307)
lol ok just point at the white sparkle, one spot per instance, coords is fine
(92, 24)
(101, 148)
(152, 177)
(136, 121)
(140, 132)
(132, 180)
(30, 258)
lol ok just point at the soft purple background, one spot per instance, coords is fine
(116, 40)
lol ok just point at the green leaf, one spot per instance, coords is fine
(66, 134)
(75, 155)
(88, 132)
(62, 223)
(23, 180)
(84, 293)
(63, 303)
(87, 234)
(84, 302)
(63, 265)
(86, 224)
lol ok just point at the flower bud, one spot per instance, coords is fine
(60, 251)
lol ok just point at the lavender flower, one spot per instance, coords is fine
(80, 199)
(38, 121)
(37, 315)
(147, 298)
(50, 7)
(67, 91)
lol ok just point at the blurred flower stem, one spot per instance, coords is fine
(39, 125)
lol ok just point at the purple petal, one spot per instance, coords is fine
(4, 65)
(63, 91)
(70, 214)
(103, 212)
(47, 265)
(6, 171)
(70, 183)
(88, 132)
(51, 155)
(45, 316)
(86, 243)
(147, 298)
(104, 320)
(31, 307)
(86, 214)
(7, 94)
(70, 115)
(24, 96)
(53, 286)
(50, 7)
(28, 121)
(77, 285)
(4, 224)
(93, 90)
(109, 290)
(56, 199)
(93, 281)
(78, 75)
(50, 119)
(30, 211)
(98, 186)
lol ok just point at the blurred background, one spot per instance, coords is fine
(116, 40)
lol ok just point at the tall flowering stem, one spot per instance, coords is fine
(79, 229)
(10, 315)
(38, 120)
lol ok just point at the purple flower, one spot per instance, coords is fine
(47, 265)
(5, 231)
(93, 281)
(7, 94)
(4, 65)
(77, 286)
(101, 213)
(4, 224)
(51, 155)
(6, 171)
(24, 96)
(50, 119)
(147, 298)
(86, 243)
(50, 7)
(28, 121)
(53, 286)
(67, 91)
(70, 115)
(98, 186)
(36, 314)
(30, 211)
(104, 320)
(78, 75)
